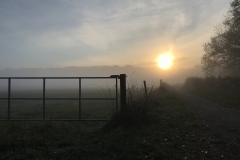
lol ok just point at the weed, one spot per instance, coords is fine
(139, 105)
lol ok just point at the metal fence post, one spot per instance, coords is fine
(123, 92)
(9, 97)
(116, 94)
(80, 100)
(44, 96)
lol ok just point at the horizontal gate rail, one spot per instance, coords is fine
(58, 98)
(80, 99)
(57, 77)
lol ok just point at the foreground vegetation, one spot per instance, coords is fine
(171, 130)
(223, 91)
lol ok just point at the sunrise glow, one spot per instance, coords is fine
(164, 61)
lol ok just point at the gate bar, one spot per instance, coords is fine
(44, 87)
(117, 94)
(79, 100)
(57, 77)
(9, 96)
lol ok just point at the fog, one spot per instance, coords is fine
(134, 75)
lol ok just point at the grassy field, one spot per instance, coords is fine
(59, 109)
(172, 131)
(223, 91)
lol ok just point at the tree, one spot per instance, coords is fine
(222, 53)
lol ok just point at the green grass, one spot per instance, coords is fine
(173, 131)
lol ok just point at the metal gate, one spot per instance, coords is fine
(43, 99)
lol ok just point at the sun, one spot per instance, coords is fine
(164, 61)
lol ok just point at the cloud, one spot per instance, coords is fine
(182, 20)
(97, 36)
(182, 59)
(61, 32)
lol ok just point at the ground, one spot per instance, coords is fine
(223, 123)
(181, 126)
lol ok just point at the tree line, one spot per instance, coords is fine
(222, 52)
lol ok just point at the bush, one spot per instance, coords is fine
(137, 109)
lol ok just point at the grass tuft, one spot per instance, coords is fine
(137, 112)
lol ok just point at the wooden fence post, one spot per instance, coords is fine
(123, 92)
(145, 88)
(161, 83)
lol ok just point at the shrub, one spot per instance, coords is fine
(137, 109)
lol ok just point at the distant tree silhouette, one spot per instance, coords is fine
(222, 53)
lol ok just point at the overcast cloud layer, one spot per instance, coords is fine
(60, 33)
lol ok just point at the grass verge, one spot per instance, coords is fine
(224, 91)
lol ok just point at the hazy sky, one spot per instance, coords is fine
(60, 33)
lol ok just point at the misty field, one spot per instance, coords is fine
(58, 109)
(168, 128)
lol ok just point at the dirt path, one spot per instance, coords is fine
(220, 121)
